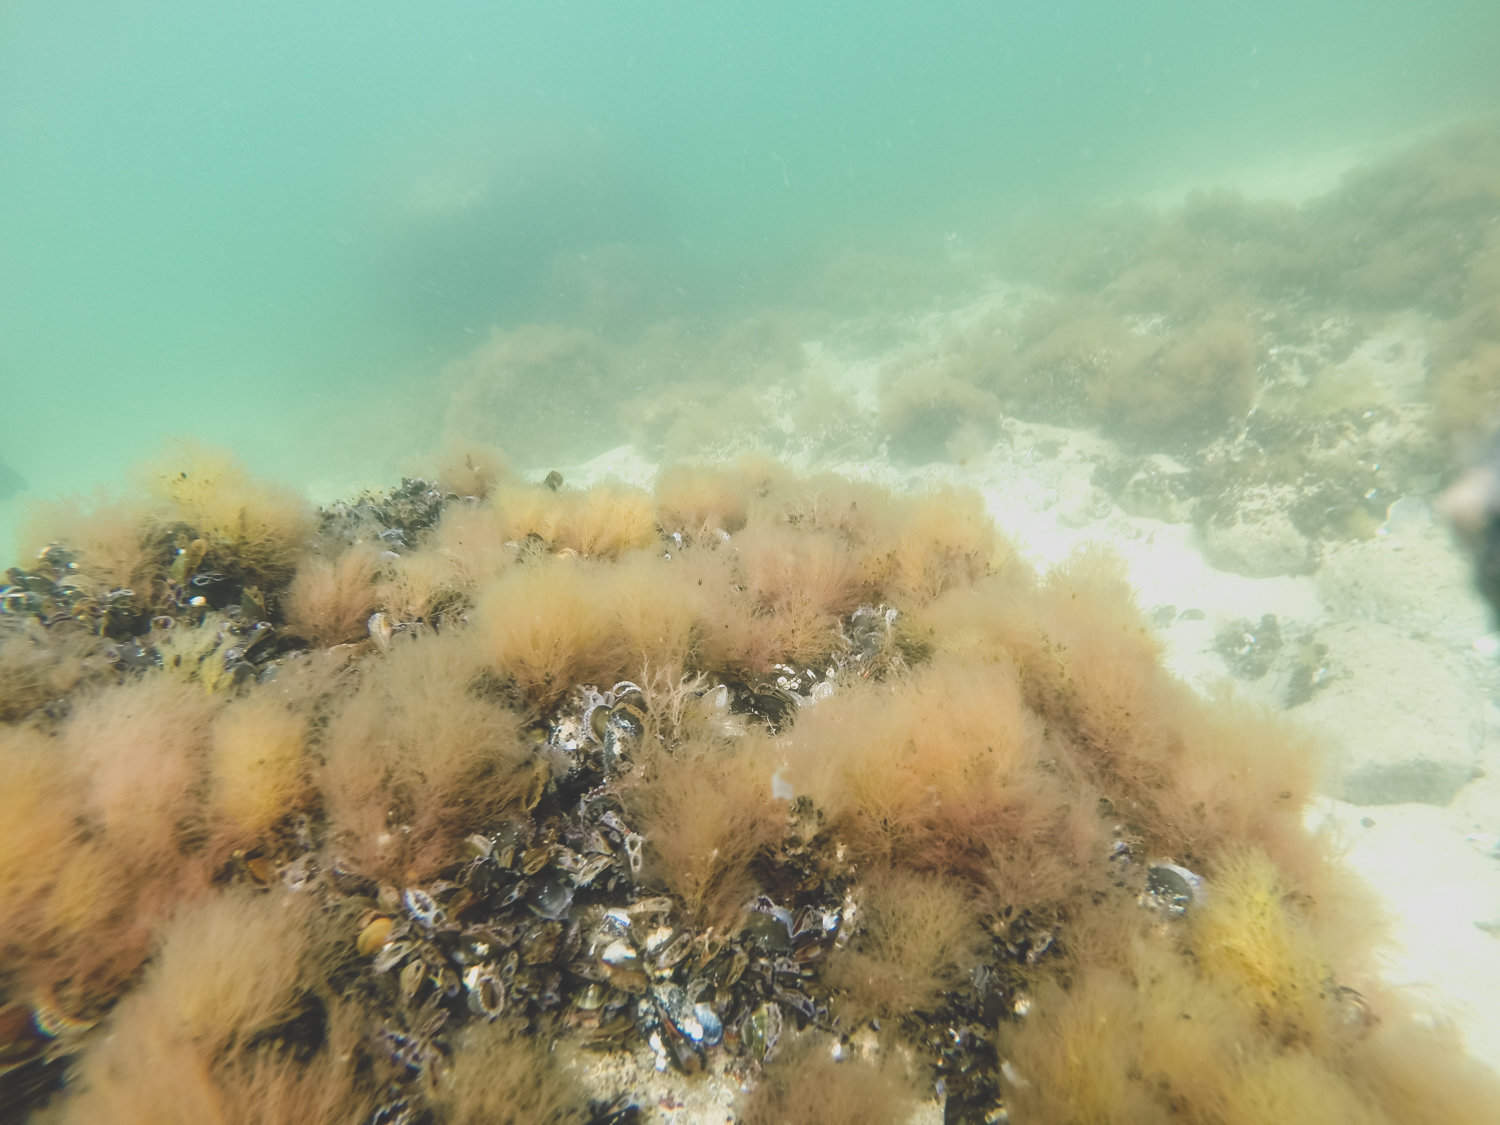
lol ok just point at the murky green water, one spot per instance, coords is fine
(272, 225)
(1215, 282)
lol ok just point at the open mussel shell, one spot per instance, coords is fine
(591, 867)
(551, 897)
(619, 954)
(596, 720)
(534, 859)
(726, 969)
(391, 954)
(693, 1020)
(708, 1019)
(669, 954)
(1172, 888)
(771, 703)
(413, 974)
(486, 992)
(381, 630)
(760, 1031)
(479, 845)
(541, 942)
(591, 998)
(773, 928)
(374, 934)
(627, 710)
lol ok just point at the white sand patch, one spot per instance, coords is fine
(1438, 886)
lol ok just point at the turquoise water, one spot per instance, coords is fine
(939, 241)
(272, 225)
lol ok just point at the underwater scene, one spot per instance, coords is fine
(708, 563)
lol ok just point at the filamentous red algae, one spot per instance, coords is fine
(354, 816)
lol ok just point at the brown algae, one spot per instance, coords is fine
(756, 774)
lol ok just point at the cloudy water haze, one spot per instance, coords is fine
(838, 552)
(243, 221)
